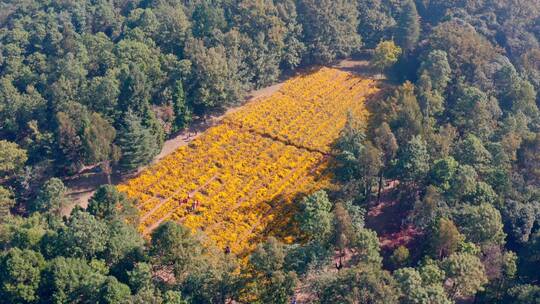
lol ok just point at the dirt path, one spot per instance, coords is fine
(185, 137)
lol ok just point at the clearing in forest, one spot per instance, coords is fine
(237, 181)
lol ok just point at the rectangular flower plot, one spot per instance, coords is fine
(238, 181)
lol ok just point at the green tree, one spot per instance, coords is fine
(329, 29)
(400, 257)
(481, 224)
(413, 163)
(109, 203)
(273, 283)
(443, 172)
(52, 197)
(437, 68)
(429, 209)
(434, 75)
(136, 143)
(12, 159)
(101, 95)
(98, 137)
(386, 142)
(445, 238)
(517, 94)
(26, 232)
(20, 275)
(134, 90)
(140, 277)
(124, 244)
(6, 203)
(520, 218)
(385, 55)
(523, 294)
(365, 246)
(349, 146)
(375, 21)
(173, 28)
(405, 117)
(216, 81)
(207, 18)
(474, 112)
(362, 284)
(471, 151)
(315, 216)
(414, 289)
(69, 280)
(182, 112)
(408, 26)
(465, 275)
(114, 292)
(174, 248)
(84, 236)
(173, 297)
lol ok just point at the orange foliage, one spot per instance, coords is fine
(237, 181)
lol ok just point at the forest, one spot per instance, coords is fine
(453, 141)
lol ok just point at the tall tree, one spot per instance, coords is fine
(52, 197)
(182, 111)
(375, 21)
(481, 224)
(6, 203)
(475, 112)
(216, 80)
(385, 55)
(445, 238)
(108, 203)
(329, 28)
(362, 284)
(465, 275)
(434, 75)
(408, 27)
(404, 116)
(20, 275)
(12, 159)
(84, 236)
(315, 217)
(174, 249)
(415, 290)
(386, 142)
(136, 143)
(68, 280)
(274, 283)
(413, 164)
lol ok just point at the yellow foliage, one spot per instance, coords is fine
(238, 180)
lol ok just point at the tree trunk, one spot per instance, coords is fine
(107, 169)
(380, 187)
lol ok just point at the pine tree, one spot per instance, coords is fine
(182, 112)
(136, 143)
(408, 31)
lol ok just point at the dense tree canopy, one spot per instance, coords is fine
(449, 157)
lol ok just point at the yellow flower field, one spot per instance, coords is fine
(238, 180)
